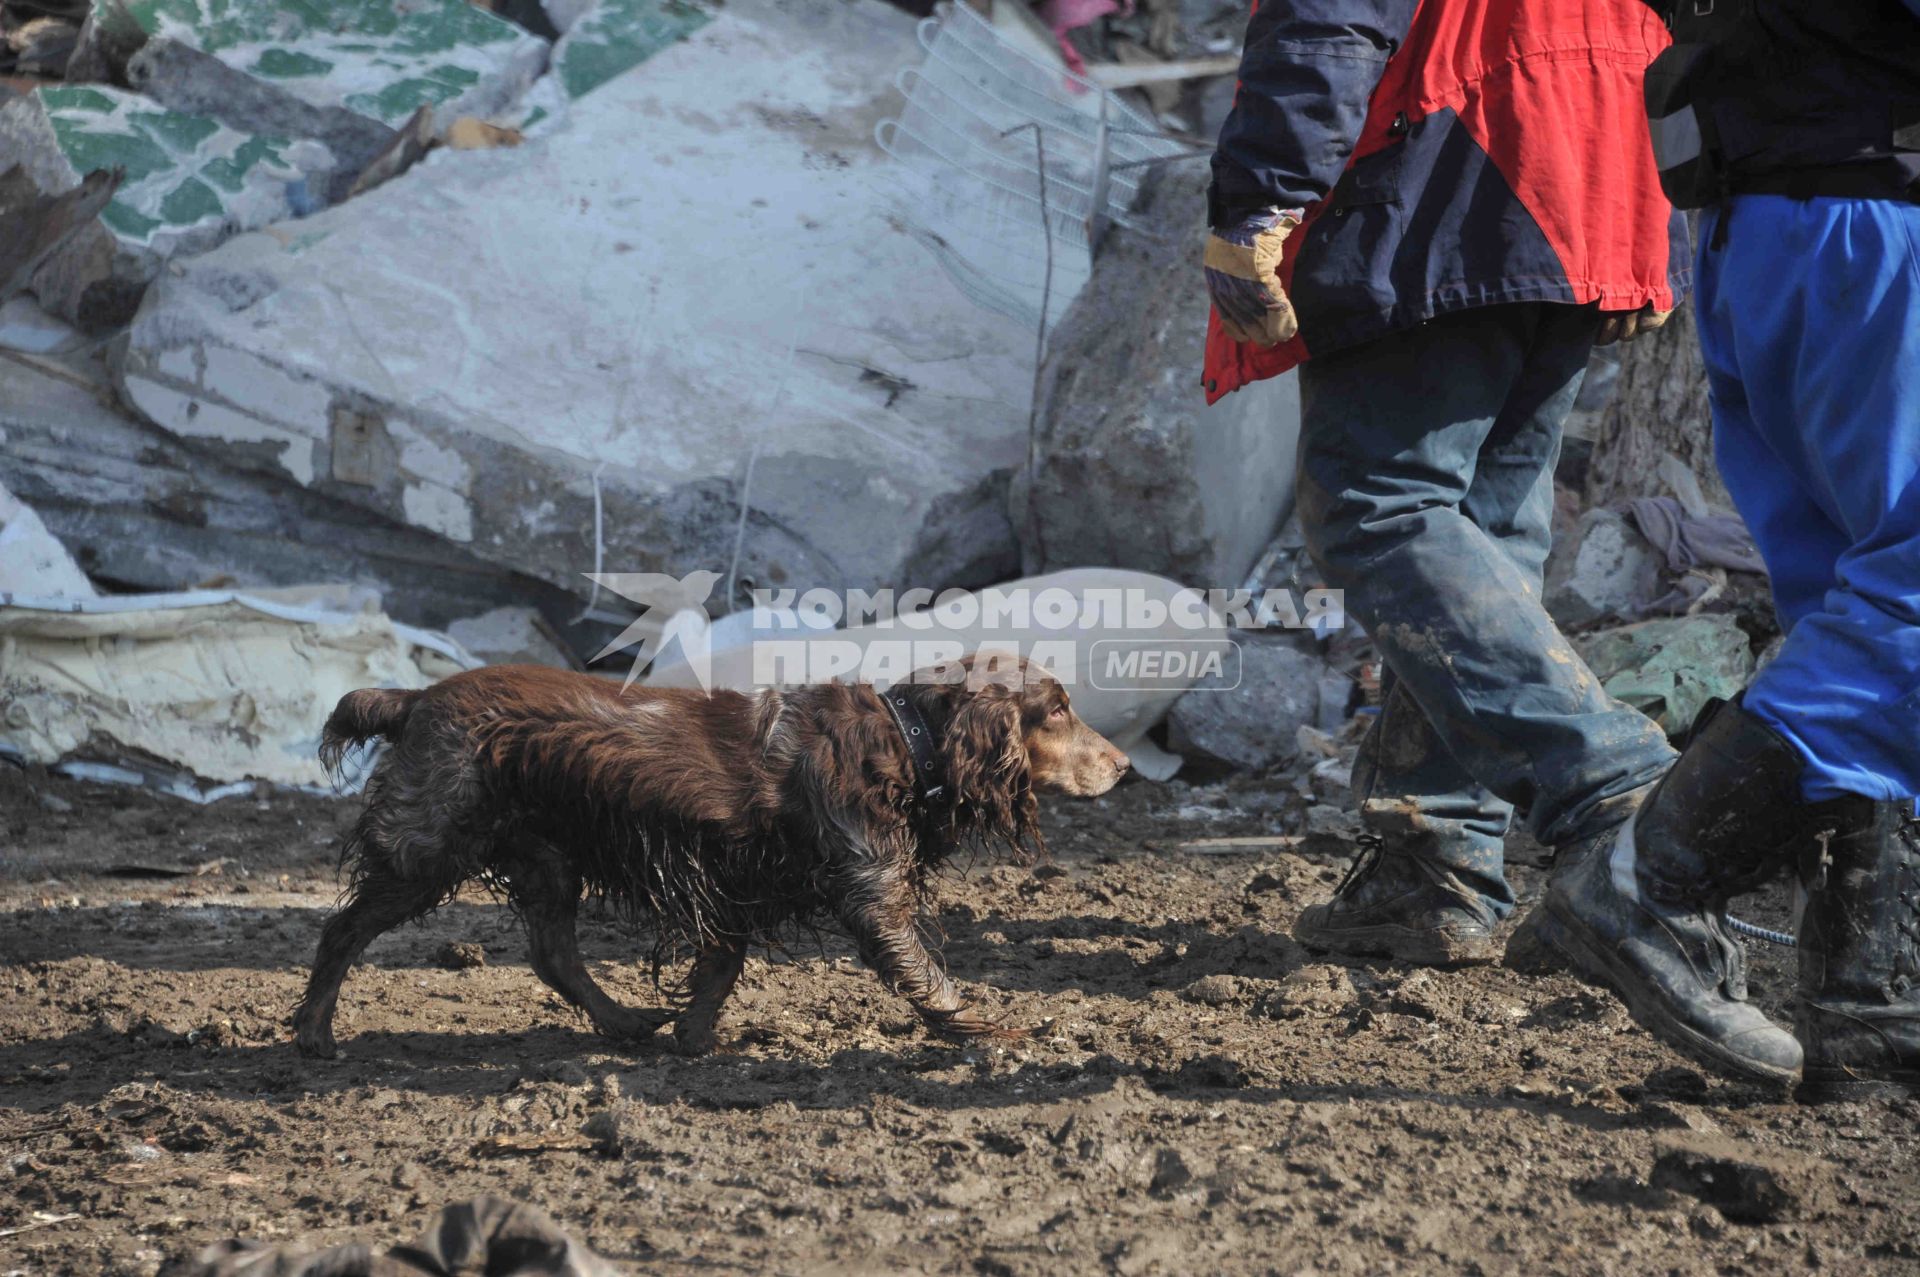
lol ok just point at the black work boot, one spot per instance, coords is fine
(1643, 908)
(1393, 904)
(1859, 1009)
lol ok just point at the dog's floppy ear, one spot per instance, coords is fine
(986, 758)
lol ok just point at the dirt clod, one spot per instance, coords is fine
(462, 955)
(1745, 1184)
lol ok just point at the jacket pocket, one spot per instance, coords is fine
(1372, 179)
(1342, 276)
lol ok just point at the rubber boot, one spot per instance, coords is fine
(1393, 904)
(1643, 909)
(1858, 1017)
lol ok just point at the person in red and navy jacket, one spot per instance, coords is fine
(1435, 209)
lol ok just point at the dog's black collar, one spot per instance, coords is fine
(919, 737)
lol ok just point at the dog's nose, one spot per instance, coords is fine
(1121, 765)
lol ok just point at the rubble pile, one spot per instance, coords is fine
(464, 302)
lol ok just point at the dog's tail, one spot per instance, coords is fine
(359, 717)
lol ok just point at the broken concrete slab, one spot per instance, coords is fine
(195, 83)
(373, 57)
(1134, 468)
(142, 511)
(189, 183)
(1604, 568)
(32, 560)
(513, 348)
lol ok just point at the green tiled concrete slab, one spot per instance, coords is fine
(182, 172)
(383, 58)
(614, 36)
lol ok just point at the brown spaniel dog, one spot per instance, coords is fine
(724, 819)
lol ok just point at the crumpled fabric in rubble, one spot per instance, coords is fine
(486, 1237)
(1691, 543)
(1688, 541)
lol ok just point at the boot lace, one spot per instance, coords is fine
(1372, 848)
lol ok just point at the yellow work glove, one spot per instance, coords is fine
(1625, 325)
(1243, 277)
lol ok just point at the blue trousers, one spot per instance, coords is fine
(1425, 491)
(1809, 316)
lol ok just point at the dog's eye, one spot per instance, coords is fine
(1059, 711)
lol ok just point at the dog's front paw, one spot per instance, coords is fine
(632, 1026)
(964, 1024)
(694, 1039)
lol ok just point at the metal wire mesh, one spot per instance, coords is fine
(967, 177)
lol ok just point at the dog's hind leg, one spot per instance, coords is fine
(549, 901)
(715, 971)
(380, 903)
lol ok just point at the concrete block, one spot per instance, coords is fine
(513, 346)
(1135, 469)
(1251, 723)
(1604, 568)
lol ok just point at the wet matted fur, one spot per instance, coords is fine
(721, 819)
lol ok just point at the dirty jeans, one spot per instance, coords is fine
(1425, 491)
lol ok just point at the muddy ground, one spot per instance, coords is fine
(1205, 1096)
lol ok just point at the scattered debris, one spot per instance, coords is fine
(368, 56)
(191, 183)
(196, 84)
(616, 1129)
(26, 328)
(137, 507)
(1240, 846)
(470, 134)
(535, 1144)
(1142, 74)
(1669, 668)
(40, 1219)
(36, 223)
(225, 686)
(1214, 990)
(1699, 550)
